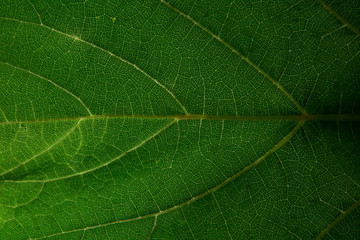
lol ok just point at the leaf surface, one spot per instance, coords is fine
(179, 119)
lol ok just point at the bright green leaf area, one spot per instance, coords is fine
(179, 119)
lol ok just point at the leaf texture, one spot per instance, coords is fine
(179, 119)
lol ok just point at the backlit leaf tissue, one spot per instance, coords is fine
(169, 119)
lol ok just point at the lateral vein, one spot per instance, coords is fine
(340, 18)
(246, 59)
(112, 160)
(50, 81)
(338, 219)
(198, 197)
(110, 53)
(44, 151)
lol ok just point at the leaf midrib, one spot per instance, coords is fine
(302, 117)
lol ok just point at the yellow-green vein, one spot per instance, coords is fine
(109, 162)
(44, 151)
(200, 196)
(246, 59)
(338, 219)
(340, 18)
(307, 117)
(50, 81)
(108, 52)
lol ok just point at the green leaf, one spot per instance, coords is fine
(179, 119)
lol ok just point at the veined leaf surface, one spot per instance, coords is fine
(179, 119)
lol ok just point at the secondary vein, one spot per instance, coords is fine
(108, 52)
(338, 219)
(246, 59)
(50, 81)
(200, 196)
(340, 18)
(94, 168)
(44, 151)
